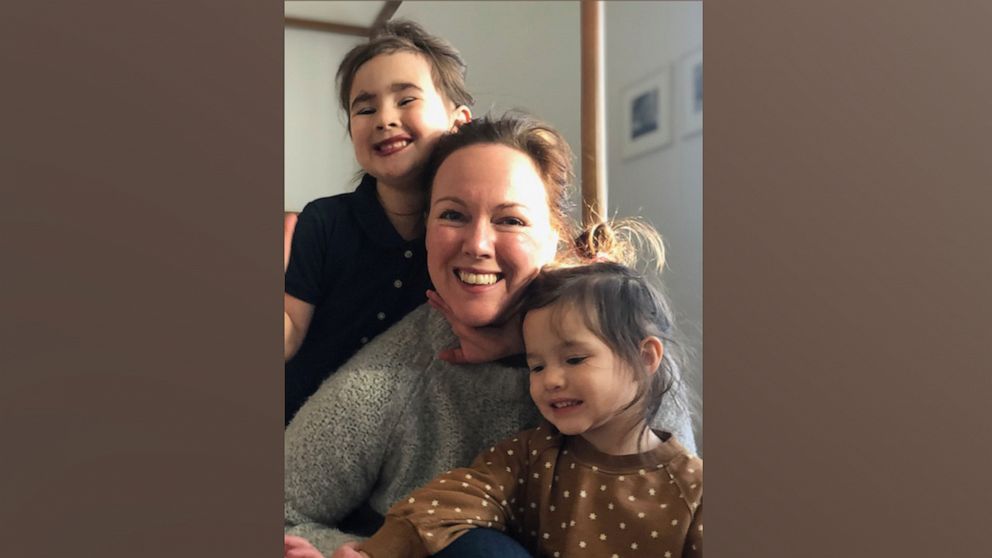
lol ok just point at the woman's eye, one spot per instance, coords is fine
(576, 360)
(512, 221)
(451, 215)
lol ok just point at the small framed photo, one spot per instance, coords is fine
(647, 122)
(692, 93)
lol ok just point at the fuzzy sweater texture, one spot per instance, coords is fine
(394, 417)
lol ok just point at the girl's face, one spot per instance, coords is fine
(576, 380)
(489, 230)
(397, 116)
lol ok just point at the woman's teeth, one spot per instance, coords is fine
(478, 278)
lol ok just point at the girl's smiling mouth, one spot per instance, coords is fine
(392, 145)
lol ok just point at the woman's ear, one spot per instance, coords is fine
(461, 115)
(652, 351)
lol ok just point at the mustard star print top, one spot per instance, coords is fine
(560, 497)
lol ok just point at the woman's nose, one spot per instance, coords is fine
(479, 241)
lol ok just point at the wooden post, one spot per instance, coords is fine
(593, 151)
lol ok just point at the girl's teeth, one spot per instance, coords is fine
(477, 278)
(565, 404)
(393, 145)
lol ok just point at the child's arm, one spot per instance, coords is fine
(297, 316)
(434, 516)
(478, 344)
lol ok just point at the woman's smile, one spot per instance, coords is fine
(488, 230)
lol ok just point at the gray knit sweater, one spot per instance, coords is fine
(393, 417)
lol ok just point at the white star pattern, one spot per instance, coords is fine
(668, 554)
(547, 536)
(582, 544)
(602, 487)
(651, 491)
(592, 516)
(468, 476)
(631, 497)
(565, 494)
(536, 476)
(551, 507)
(610, 505)
(620, 478)
(430, 512)
(654, 534)
(602, 536)
(547, 464)
(412, 500)
(582, 493)
(641, 515)
(633, 546)
(675, 522)
(642, 472)
(509, 452)
(623, 525)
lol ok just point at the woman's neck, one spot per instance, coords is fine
(404, 207)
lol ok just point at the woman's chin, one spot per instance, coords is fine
(479, 317)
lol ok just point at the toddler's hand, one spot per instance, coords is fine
(349, 550)
(478, 344)
(298, 547)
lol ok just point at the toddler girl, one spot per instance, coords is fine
(595, 479)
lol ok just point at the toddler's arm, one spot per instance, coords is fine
(694, 538)
(434, 516)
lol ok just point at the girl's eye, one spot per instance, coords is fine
(536, 369)
(366, 110)
(576, 360)
(407, 100)
(451, 215)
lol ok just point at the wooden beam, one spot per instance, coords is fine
(387, 12)
(593, 151)
(328, 26)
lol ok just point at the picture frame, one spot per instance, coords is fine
(646, 116)
(691, 80)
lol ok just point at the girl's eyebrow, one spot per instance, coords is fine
(395, 88)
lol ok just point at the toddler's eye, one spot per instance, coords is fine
(407, 100)
(366, 110)
(536, 369)
(576, 360)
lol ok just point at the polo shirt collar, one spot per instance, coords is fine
(373, 220)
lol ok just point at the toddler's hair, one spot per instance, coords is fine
(545, 147)
(618, 304)
(400, 35)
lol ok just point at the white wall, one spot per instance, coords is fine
(664, 186)
(319, 160)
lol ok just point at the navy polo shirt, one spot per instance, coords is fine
(349, 262)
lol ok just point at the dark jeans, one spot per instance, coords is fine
(484, 543)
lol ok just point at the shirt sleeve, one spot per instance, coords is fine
(434, 516)
(694, 538)
(307, 254)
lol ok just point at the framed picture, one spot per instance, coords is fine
(692, 93)
(647, 122)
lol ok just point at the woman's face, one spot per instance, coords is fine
(489, 230)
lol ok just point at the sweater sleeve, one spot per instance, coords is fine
(336, 444)
(432, 517)
(694, 538)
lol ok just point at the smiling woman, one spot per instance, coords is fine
(394, 416)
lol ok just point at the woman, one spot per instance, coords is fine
(395, 415)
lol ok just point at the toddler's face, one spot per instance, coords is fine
(577, 382)
(397, 116)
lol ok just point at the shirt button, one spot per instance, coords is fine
(381, 316)
(364, 340)
(397, 283)
(408, 254)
